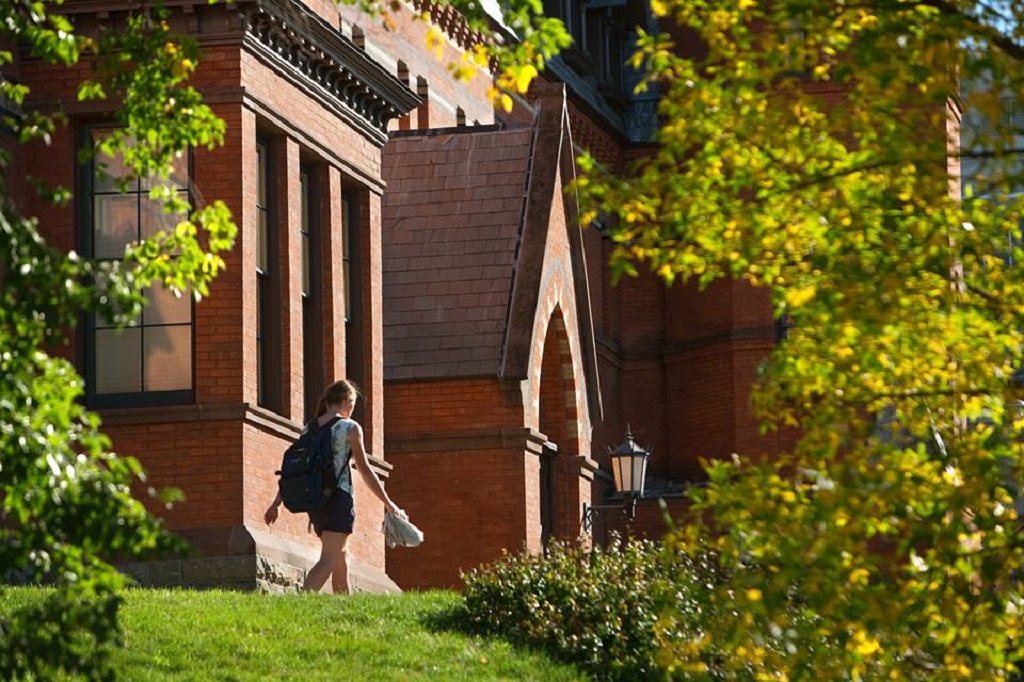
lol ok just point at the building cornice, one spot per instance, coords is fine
(299, 43)
(294, 42)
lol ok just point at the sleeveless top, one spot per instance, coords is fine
(340, 446)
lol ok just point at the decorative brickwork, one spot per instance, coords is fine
(328, 59)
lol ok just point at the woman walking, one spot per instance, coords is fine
(334, 521)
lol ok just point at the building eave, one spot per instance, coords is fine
(290, 36)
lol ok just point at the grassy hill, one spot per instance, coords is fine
(233, 636)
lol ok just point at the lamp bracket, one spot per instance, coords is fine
(595, 511)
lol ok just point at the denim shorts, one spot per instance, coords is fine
(337, 516)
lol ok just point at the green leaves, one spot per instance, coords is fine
(593, 607)
(148, 68)
(67, 501)
(811, 150)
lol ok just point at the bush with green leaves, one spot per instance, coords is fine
(597, 607)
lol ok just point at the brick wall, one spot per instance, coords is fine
(470, 504)
(225, 327)
(466, 470)
(221, 451)
(202, 459)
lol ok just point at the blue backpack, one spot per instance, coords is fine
(307, 474)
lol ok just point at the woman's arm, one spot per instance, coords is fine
(270, 515)
(355, 442)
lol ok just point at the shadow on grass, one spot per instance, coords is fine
(454, 618)
(458, 619)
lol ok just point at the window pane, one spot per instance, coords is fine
(168, 358)
(305, 265)
(261, 241)
(260, 379)
(166, 308)
(118, 360)
(260, 360)
(115, 223)
(304, 194)
(178, 178)
(155, 354)
(346, 254)
(155, 218)
(261, 175)
(107, 170)
(304, 228)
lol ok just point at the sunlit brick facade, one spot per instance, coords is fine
(447, 275)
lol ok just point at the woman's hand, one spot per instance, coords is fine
(395, 509)
(270, 515)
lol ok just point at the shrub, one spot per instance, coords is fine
(596, 607)
(639, 610)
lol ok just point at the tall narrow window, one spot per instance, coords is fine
(346, 253)
(312, 338)
(264, 305)
(351, 277)
(150, 362)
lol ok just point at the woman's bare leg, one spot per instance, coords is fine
(333, 546)
(339, 576)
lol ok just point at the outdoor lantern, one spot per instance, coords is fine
(629, 466)
(629, 469)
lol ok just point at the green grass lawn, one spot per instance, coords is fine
(218, 635)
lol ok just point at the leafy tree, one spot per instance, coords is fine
(67, 502)
(67, 505)
(812, 148)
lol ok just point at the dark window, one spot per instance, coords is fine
(151, 361)
(570, 12)
(348, 220)
(312, 336)
(266, 311)
(604, 38)
(352, 276)
(794, 48)
(783, 323)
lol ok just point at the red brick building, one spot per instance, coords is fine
(393, 230)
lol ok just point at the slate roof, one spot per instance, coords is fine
(451, 220)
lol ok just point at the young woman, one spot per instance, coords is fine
(333, 523)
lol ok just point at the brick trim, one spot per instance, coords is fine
(527, 439)
(264, 419)
(584, 467)
(331, 156)
(760, 333)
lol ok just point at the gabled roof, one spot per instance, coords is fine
(466, 222)
(451, 224)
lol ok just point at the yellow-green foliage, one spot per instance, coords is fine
(809, 150)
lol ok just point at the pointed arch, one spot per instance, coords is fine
(558, 415)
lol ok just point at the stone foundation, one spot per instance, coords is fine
(264, 562)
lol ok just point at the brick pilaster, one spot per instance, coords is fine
(332, 272)
(373, 325)
(225, 332)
